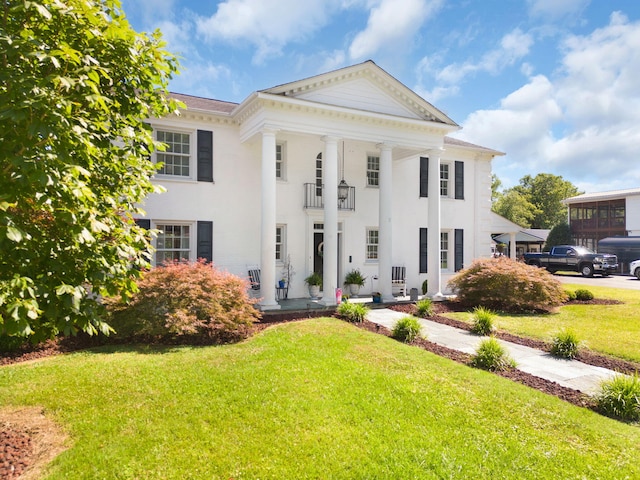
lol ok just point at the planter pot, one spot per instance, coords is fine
(314, 291)
(282, 283)
(354, 289)
(377, 299)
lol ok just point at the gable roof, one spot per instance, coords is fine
(204, 104)
(364, 86)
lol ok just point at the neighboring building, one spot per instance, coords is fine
(594, 216)
(257, 183)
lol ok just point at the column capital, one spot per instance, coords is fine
(269, 130)
(436, 151)
(331, 138)
(385, 146)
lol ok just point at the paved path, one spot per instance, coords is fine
(568, 373)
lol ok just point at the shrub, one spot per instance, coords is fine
(353, 312)
(491, 355)
(620, 397)
(565, 344)
(482, 321)
(186, 298)
(406, 329)
(507, 285)
(571, 295)
(425, 287)
(424, 308)
(584, 295)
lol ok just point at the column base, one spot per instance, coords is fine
(436, 297)
(269, 306)
(388, 299)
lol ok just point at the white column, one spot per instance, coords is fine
(434, 226)
(385, 224)
(268, 225)
(512, 246)
(330, 232)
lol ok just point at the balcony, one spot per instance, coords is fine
(314, 197)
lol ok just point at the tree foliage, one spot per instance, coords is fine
(537, 201)
(76, 83)
(559, 235)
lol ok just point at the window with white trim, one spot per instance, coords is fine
(372, 244)
(280, 161)
(373, 171)
(173, 243)
(281, 232)
(444, 250)
(444, 179)
(176, 158)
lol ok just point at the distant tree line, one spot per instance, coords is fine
(536, 202)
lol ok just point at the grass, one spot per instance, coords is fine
(610, 329)
(313, 399)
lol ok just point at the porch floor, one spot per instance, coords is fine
(314, 307)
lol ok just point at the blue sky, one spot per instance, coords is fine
(553, 83)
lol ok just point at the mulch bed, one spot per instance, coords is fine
(15, 444)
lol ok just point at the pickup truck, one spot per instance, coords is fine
(574, 259)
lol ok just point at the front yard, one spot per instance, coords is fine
(311, 399)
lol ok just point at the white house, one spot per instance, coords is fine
(251, 184)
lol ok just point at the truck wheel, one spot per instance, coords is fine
(586, 270)
(637, 273)
(534, 263)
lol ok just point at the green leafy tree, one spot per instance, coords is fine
(75, 84)
(546, 192)
(559, 235)
(515, 206)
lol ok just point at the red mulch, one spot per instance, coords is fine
(15, 445)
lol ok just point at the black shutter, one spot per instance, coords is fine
(459, 174)
(459, 249)
(424, 177)
(205, 156)
(144, 223)
(205, 241)
(423, 250)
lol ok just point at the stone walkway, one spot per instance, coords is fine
(568, 373)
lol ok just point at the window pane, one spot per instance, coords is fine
(176, 155)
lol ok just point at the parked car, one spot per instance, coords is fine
(634, 268)
(574, 259)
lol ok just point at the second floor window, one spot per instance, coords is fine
(177, 155)
(280, 173)
(444, 179)
(373, 171)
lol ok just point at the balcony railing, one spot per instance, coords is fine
(314, 197)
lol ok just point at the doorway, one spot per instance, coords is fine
(318, 250)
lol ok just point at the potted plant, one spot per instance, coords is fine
(314, 281)
(354, 280)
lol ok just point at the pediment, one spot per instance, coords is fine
(363, 87)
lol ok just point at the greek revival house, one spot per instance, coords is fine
(346, 170)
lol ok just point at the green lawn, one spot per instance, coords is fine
(313, 399)
(610, 329)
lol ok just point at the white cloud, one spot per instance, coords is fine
(513, 46)
(556, 9)
(581, 124)
(268, 25)
(391, 25)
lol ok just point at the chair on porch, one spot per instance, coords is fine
(254, 278)
(399, 279)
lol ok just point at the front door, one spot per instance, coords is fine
(318, 250)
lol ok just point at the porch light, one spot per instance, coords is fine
(343, 187)
(343, 190)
